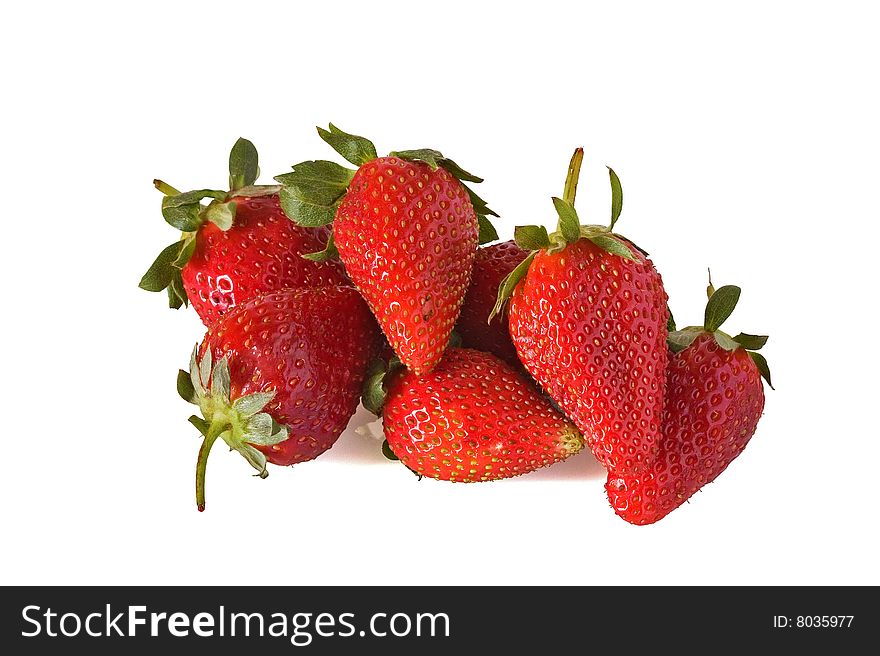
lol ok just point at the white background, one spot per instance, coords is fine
(746, 138)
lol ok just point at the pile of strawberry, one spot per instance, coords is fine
(484, 361)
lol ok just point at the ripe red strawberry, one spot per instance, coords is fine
(714, 398)
(289, 370)
(492, 265)
(473, 418)
(239, 246)
(406, 229)
(588, 318)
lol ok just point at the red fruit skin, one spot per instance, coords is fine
(474, 418)
(312, 346)
(714, 399)
(407, 236)
(590, 327)
(491, 266)
(260, 253)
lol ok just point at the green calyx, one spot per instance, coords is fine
(312, 192)
(375, 388)
(241, 422)
(505, 289)
(186, 212)
(381, 372)
(355, 149)
(375, 391)
(388, 453)
(720, 306)
(329, 253)
(569, 228)
(568, 231)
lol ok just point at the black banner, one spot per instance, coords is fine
(278, 620)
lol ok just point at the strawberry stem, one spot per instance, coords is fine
(574, 172)
(202, 463)
(165, 188)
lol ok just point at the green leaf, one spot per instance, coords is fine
(329, 252)
(435, 159)
(505, 289)
(429, 156)
(256, 459)
(353, 148)
(557, 243)
(478, 203)
(318, 174)
(614, 246)
(632, 243)
(373, 393)
(763, 367)
(258, 428)
(159, 275)
(205, 367)
(279, 432)
(670, 321)
(590, 231)
(616, 197)
(313, 190)
(201, 425)
(531, 237)
(724, 341)
(487, 232)
(243, 164)
(387, 452)
(174, 300)
(194, 374)
(458, 172)
(679, 340)
(185, 387)
(187, 247)
(192, 197)
(183, 211)
(262, 429)
(220, 384)
(256, 191)
(569, 222)
(751, 342)
(305, 213)
(176, 293)
(720, 307)
(221, 215)
(251, 404)
(185, 218)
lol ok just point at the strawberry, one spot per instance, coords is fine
(405, 227)
(237, 247)
(588, 318)
(289, 369)
(473, 418)
(714, 398)
(492, 264)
